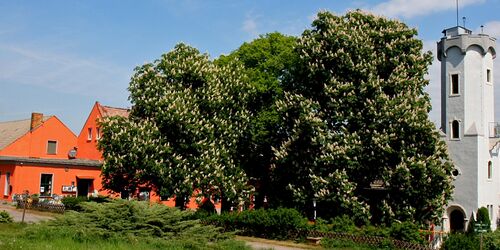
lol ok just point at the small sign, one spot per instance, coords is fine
(481, 228)
(69, 189)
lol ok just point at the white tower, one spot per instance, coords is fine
(467, 120)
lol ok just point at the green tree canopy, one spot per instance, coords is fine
(357, 115)
(184, 130)
(267, 61)
(338, 116)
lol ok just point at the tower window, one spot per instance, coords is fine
(455, 129)
(488, 75)
(454, 84)
(490, 169)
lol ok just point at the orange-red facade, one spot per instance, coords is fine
(39, 161)
(50, 160)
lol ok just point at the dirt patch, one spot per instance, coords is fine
(30, 216)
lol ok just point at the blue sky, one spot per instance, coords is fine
(59, 57)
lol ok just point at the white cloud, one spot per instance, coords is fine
(412, 8)
(60, 72)
(250, 25)
(491, 28)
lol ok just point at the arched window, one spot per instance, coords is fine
(490, 169)
(455, 129)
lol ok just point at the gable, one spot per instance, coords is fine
(11, 131)
(34, 143)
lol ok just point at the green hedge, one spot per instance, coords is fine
(284, 223)
(273, 223)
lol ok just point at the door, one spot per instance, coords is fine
(83, 186)
(457, 221)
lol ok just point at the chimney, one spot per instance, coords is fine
(36, 120)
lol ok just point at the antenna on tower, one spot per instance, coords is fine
(457, 11)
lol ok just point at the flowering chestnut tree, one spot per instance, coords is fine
(356, 115)
(184, 130)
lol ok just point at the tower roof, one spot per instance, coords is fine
(456, 31)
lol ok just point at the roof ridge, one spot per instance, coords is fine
(106, 106)
(28, 119)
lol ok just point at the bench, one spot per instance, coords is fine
(314, 240)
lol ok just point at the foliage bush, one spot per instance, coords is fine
(459, 241)
(5, 217)
(343, 224)
(272, 223)
(126, 224)
(483, 217)
(406, 231)
(73, 203)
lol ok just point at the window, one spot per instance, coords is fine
(89, 135)
(52, 147)
(490, 169)
(454, 84)
(488, 76)
(490, 211)
(455, 129)
(46, 185)
(7, 184)
(97, 133)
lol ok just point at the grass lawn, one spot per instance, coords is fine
(23, 236)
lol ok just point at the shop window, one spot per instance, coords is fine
(46, 185)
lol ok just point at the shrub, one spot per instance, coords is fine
(99, 199)
(458, 241)
(406, 231)
(483, 217)
(129, 221)
(73, 203)
(5, 217)
(343, 224)
(271, 223)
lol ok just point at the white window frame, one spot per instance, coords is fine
(48, 141)
(51, 184)
(89, 134)
(451, 84)
(7, 184)
(452, 130)
(97, 133)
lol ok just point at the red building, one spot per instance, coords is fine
(38, 155)
(87, 148)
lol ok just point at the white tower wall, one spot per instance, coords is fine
(470, 57)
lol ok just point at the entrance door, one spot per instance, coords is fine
(83, 186)
(456, 221)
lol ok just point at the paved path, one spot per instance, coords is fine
(17, 214)
(260, 244)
